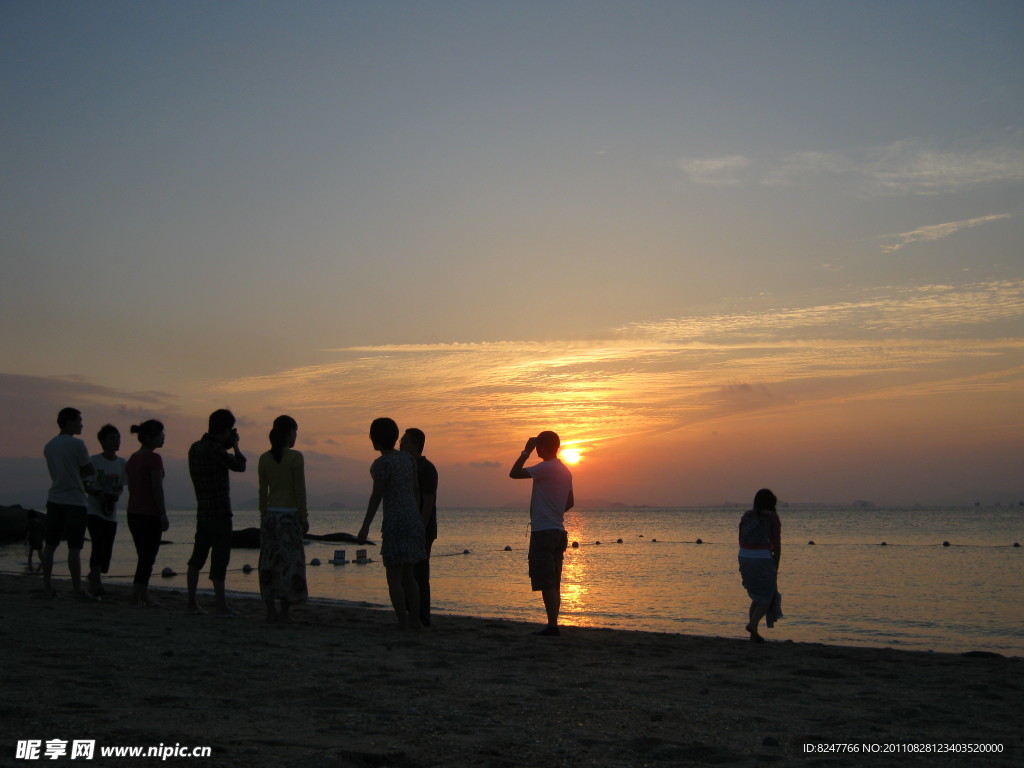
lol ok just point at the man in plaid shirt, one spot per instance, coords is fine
(209, 463)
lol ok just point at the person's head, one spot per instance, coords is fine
(282, 435)
(383, 434)
(547, 445)
(70, 421)
(765, 500)
(150, 433)
(413, 441)
(110, 438)
(221, 421)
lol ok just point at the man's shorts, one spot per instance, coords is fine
(212, 534)
(65, 521)
(547, 549)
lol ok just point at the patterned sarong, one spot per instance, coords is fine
(282, 558)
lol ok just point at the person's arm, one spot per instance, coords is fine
(85, 467)
(570, 501)
(234, 461)
(776, 540)
(426, 504)
(371, 510)
(116, 493)
(518, 472)
(158, 497)
(299, 477)
(264, 490)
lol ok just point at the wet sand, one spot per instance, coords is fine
(341, 686)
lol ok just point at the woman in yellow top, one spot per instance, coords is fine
(283, 520)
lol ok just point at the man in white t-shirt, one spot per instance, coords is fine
(550, 500)
(68, 462)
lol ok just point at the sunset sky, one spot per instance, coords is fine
(715, 245)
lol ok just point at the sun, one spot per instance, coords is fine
(571, 456)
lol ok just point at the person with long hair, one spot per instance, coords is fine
(147, 510)
(760, 552)
(402, 534)
(283, 520)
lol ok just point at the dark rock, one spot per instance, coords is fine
(346, 537)
(982, 655)
(14, 522)
(246, 538)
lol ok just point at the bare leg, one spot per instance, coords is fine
(75, 568)
(412, 595)
(138, 595)
(552, 605)
(46, 558)
(219, 597)
(756, 613)
(192, 580)
(396, 590)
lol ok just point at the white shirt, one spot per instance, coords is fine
(65, 457)
(110, 475)
(552, 483)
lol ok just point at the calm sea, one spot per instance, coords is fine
(846, 588)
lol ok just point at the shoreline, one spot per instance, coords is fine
(176, 584)
(342, 686)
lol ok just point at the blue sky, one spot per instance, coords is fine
(485, 218)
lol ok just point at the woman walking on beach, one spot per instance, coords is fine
(283, 521)
(760, 552)
(147, 512)
(403, 542)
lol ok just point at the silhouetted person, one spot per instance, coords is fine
(760, 538)
(209, 463)
(147, 509)
(34, 537)
(550, 500)
(283, 520)
(104, 489)
(412, 443)
(402, 544)
(67, 460)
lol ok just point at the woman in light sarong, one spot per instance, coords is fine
(760, 552)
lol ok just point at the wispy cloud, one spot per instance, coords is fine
(719, 171)
(30, 405)
(655, 377)
(907, 167)
(937, 231)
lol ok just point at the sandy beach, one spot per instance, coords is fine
(342, 687)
